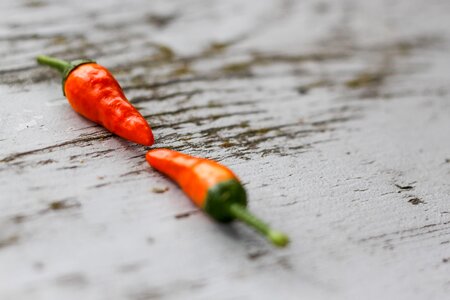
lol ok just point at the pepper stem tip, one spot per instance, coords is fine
(59, 64)
(277, 238)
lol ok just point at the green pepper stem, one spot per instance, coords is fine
(59, 64)
(274, 236)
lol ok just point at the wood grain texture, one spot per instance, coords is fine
(335, 114)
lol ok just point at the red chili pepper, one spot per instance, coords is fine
(95, 94)
(212, 187)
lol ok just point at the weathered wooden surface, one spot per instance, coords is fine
(335, 114)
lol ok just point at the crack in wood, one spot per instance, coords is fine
(413, 230)
(75, 142)
(198, 120)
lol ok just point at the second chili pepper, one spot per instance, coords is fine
(212, 187)
(94, 93)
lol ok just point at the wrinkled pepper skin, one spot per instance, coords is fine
(94, 93)
(212, 187)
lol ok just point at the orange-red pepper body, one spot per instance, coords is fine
(194, 175)
(94, 93)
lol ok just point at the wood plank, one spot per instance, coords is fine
(335, 114)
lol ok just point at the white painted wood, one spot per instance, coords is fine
(335, 114)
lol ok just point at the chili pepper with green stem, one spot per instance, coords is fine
(94, 93)
(212, 187)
